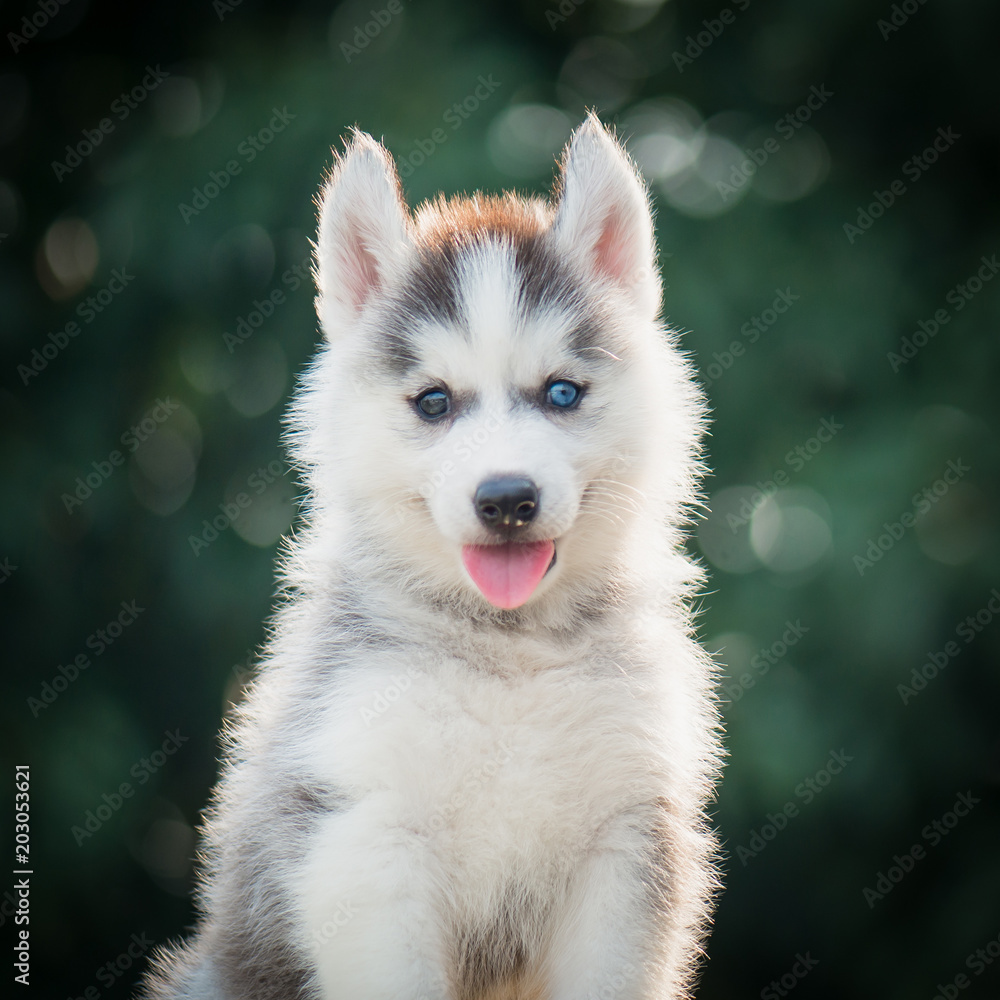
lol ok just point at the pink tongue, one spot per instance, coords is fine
(508, 574)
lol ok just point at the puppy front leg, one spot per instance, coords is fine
(368, 920)
(628, 929)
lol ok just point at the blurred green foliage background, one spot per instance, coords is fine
(833, 268)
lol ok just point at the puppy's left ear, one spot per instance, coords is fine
(603, 216)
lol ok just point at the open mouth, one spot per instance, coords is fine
(509, 573)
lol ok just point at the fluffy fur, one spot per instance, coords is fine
(426, 797)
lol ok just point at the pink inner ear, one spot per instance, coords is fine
(614, 254)
(360, 269)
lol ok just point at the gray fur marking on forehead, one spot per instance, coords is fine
(434, 288)
(395, 349)
(432, 292)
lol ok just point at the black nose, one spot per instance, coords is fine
(506, 502)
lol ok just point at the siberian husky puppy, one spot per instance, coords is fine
(475, 762)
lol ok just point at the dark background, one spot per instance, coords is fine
(788, 572)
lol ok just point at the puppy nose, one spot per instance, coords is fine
(506, 502)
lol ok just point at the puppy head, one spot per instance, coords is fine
(496, 407)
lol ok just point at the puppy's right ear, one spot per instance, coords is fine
(362, 234)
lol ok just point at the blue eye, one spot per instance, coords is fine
(563, 394)
(433, 404)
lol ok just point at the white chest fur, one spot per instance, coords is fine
(467, 789)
